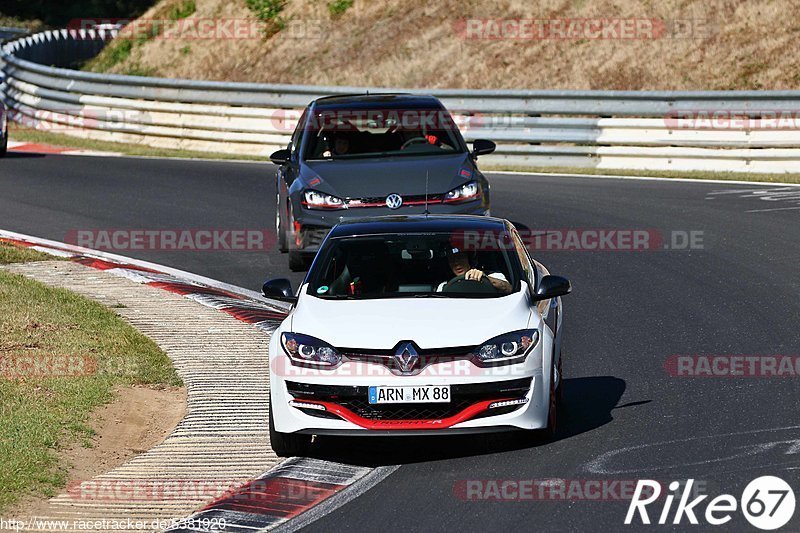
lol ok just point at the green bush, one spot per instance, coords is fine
(337, 7)
(114, 53)
(267, 10)
(182, 10)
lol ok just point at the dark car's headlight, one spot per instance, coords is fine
(306, 349)
(464, 193)
(507, 348)
(320, 200)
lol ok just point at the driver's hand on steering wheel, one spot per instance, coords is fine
(474, 274)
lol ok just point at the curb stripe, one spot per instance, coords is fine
(290, 488)
(286, 492)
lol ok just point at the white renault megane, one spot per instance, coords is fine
(417, 325)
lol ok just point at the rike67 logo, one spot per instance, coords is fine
(768, 503)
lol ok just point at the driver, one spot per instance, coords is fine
(459, 264)
(341, 146)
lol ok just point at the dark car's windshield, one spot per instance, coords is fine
(343, 133)
(411, 265)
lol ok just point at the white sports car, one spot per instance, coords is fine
(417, 325)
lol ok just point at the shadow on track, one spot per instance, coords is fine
(23, 155)
(587, 405)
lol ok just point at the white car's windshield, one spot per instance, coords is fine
(411, 265)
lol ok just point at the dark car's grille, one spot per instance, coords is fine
(354, 398)
(380, 201)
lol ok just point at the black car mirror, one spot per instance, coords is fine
(279, 289)
(552, 287)
(482, 147)
(281, 157)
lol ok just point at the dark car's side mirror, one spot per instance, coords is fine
(281, 157)
(552, 287)
(482, 147)
(279, 289)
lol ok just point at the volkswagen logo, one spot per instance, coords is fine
(394, 201)
(406, 356)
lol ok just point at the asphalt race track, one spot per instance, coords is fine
(626, 417)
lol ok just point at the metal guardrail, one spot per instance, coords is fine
(612, 129)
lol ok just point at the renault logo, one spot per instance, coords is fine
(406, 356)
(393, 201)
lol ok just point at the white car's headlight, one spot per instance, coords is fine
(464, 193)
(320, 200)
(305, 349)
(507, 348)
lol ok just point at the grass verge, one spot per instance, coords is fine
(44, 330)
(20, 254)
(689, 174)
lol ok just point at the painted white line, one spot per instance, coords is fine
(640, 178)
(137, 262)
(266, 161)
(774, 209)
(597, 465)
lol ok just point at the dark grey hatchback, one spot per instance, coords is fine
(371, 155)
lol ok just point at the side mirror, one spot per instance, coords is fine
(279, 289)
(552, 286)
(281, 157)
(482, 147)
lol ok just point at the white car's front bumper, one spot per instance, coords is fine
(339, 417)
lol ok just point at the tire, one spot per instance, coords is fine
(287, 444)
(4, 146)
(279, 230)
(297, 261)
(530, 437)
(556, 394)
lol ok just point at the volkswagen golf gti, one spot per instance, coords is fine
(370, 155)
(410, 325)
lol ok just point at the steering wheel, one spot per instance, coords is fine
(462, 284)
(413, 140)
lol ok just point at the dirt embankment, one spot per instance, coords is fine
(558, 44)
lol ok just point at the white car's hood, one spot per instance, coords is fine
(429, 322)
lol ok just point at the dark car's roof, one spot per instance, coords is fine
(417, 224)
(387, 100)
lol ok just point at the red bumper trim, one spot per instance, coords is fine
(432, 424)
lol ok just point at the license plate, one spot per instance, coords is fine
(410, 394)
